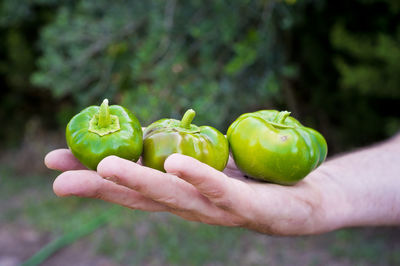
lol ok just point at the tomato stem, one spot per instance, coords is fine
(280, 118)
(104, 114)
(187, 118)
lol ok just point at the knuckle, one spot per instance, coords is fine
(170, 201)
(224, 203)
(219, 197)
(97, 191)
(138, 186)
(238, 222)
(112, 178)
(98, 195)
(215, 193)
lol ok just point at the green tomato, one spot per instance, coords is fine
(97, 132)
(271, 146)
(167, 136)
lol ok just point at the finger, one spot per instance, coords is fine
(89, 184)
(63, 160)
(161, 187)
(213, 184)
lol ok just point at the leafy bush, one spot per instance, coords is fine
(334, 64)
(162, 57)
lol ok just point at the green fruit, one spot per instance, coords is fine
(97, 132)
(271, 146)
(167, 136)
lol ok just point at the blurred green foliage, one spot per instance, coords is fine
(162, 57)
(334, 64)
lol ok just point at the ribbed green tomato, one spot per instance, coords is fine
(167, 136)
(272, 146)
(97, 132)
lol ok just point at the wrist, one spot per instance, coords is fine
(352, 199)
(334, 207)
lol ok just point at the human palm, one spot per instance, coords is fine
(198, 192)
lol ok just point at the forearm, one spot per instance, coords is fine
(367, 182)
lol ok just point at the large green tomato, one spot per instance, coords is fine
(97, 132)
(272, 146)
(167, 136)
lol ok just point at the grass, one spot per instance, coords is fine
(136, 238)
(362, 246)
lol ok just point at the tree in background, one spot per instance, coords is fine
(20, 100)
(161, 57)
(347, 53)
(334, 64)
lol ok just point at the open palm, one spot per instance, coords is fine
(198, 192)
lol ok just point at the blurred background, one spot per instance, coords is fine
(334, 64)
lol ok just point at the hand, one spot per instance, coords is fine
(197, 192)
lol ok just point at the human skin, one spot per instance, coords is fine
(361, 188)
